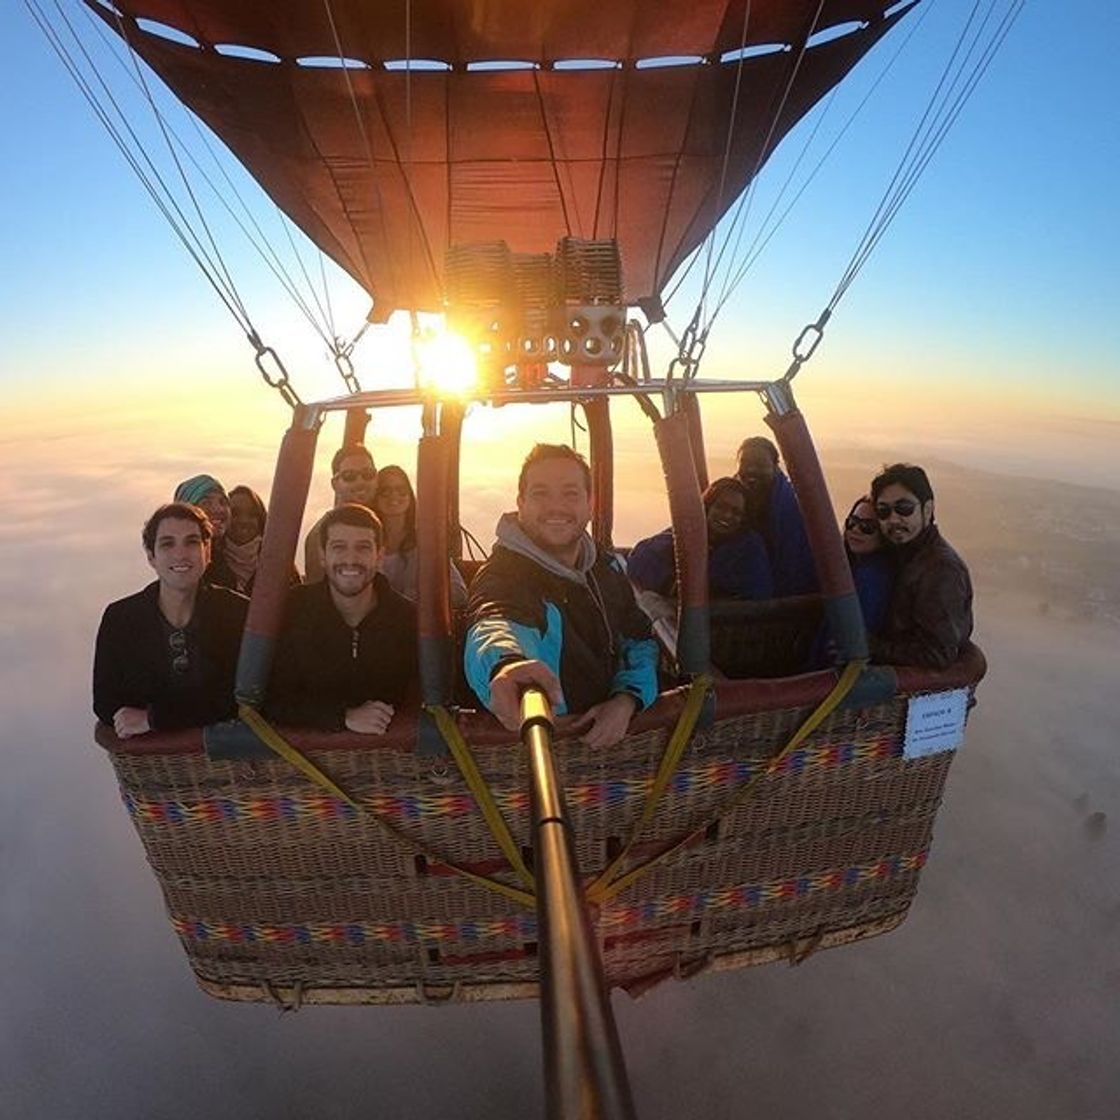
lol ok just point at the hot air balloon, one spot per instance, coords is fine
(536, 172)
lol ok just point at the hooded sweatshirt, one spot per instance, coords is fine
(581, 621)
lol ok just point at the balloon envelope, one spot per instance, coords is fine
(385, 165)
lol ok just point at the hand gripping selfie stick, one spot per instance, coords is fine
(585, 1075)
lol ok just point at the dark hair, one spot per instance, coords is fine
(256, 501)
(348, 449)
(542, 452)
(903, 474)
(759, 441)
(408, 541)
(181, 511)
(863, 499)
(719, 486)
(351, 513)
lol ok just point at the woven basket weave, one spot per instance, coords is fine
(278, 891)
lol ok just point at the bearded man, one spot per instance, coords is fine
(551, 609)
(353, 479)
(347, 654)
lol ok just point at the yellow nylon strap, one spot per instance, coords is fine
(670, 760)
(276, 742)
(823, 710)
(453, 737)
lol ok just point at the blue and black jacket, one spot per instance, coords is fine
(582, 622)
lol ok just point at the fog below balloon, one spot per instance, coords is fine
(997, 997)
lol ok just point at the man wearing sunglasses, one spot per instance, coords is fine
(166, 656)
(930, 615)
(353, 479)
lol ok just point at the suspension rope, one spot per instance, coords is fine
(480, 791)
(728, 139)
(327, 297)
(731, 280)
(259, 242)
(551, 151)
(231, 287)
(955, 86)
(675, 746)
(363, 132)
(327, 334)
(150, 177)
(764, 235)
(364, 137)
(475, 547)
(743, 206)
(605, 146)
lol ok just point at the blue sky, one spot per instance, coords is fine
(1000, 275)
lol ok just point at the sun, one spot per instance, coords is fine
(446, 363)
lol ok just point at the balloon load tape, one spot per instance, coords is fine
(524, 310)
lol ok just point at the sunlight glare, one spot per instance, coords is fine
(447, 363)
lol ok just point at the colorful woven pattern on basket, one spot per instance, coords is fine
(523, 927)
(313, 805)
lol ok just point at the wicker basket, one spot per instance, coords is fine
(278, 891)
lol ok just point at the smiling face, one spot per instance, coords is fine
(355, 480)
(180, 555)
(394, 494)
(901, 516)
(350, 559)
(216, 506)
(861, 529)
(725, 515)
(756, 472)
(244, 518)
(555, 507)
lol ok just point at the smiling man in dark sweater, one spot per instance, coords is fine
(347, 654)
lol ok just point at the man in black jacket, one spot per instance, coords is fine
(930, 615)
(166, 656)
(347, 653)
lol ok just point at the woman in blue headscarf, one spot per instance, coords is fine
(206, 492)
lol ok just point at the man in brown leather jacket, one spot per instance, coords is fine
(930, 616)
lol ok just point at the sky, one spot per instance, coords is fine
(983, 325)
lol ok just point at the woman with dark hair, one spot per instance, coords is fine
(395, 504)
(738, 564)
(872, 576)
(247, 518)
(241, 550)
(872, 569)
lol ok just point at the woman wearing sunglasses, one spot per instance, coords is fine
(872, 569)
(395, 504)
(872, 574)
